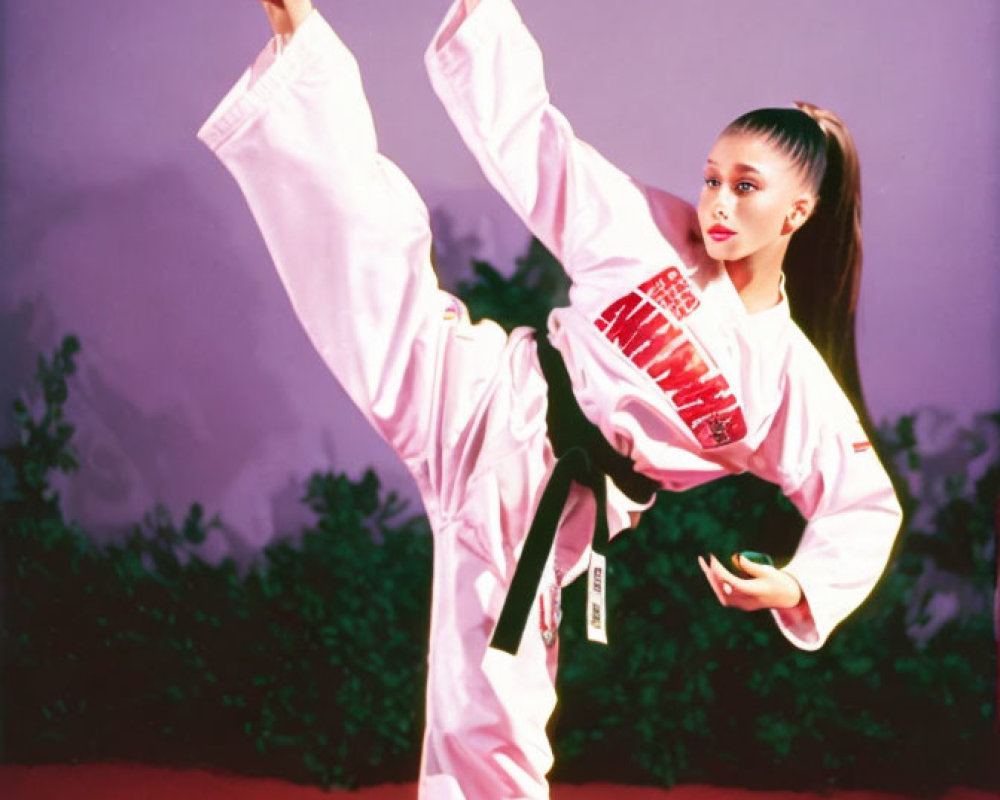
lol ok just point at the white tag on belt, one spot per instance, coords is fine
(597, 630)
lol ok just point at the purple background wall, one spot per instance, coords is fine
(196, 382)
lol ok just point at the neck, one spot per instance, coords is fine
(757, 277)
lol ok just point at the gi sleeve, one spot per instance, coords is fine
(835, 479)
(487, 70)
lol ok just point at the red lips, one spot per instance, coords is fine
(719, 233)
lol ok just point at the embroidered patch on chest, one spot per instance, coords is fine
(644, 326)
(671, 291)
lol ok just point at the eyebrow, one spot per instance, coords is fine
(741, 167)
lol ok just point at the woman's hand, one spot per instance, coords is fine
(285, 16)
(767, 587)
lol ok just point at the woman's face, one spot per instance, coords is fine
(752, 200)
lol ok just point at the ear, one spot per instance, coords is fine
(800, 210)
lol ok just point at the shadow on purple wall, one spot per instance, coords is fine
(176, 398)
(172, 398)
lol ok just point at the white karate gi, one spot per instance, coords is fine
(663, 357)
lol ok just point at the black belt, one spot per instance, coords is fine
(584, 456)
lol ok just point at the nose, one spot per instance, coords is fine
(722, 207)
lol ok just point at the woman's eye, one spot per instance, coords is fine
(745, 186)
(712, 182)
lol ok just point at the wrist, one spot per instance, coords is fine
(277, 15)
(794, 597)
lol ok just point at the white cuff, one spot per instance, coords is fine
(268, 75)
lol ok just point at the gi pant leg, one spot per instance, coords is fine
(487, 710)
(463, 405)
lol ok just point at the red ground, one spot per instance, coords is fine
(132, 782)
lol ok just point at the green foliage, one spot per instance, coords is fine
(310, 664)
(43, 444)
(694, 693)
(537, 285)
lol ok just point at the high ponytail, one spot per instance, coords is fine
(823, 263)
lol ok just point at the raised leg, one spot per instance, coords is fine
(462, 404)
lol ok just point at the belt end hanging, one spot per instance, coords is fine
(597, 609)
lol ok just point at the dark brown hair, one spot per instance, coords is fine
(823, 263)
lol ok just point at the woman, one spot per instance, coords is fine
(680, 357)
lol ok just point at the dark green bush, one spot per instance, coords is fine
(696, 693)
(310, 664)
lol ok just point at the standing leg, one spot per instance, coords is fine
(486, 710)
